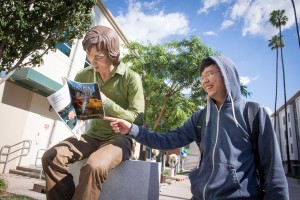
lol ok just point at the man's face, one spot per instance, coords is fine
(99, 59)
(213, 84)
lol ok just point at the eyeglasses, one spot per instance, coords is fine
(208, 75)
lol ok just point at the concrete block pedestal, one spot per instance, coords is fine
(132, 179)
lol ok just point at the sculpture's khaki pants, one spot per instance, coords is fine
(102, 156)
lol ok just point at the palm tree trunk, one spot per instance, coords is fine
(285, 111)
(276, 89)
(296, 21)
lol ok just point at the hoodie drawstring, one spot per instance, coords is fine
(207, 111)
(233, 112)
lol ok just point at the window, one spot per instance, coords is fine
(289, 120)
(64, 47)
(285, 135)
(86, 63)
(290, 132)
(292, 149)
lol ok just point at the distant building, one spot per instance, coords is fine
(293, 125)
(25, 113)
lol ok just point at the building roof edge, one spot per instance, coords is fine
(112, 21)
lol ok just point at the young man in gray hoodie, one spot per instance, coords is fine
(227, 169)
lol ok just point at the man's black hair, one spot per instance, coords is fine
(206, 62)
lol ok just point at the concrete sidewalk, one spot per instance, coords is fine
(179, 190)
(24, 186)
(176, 191)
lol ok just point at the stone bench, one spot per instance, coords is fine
(133, 179)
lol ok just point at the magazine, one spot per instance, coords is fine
(76, 104)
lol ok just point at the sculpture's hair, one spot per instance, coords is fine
(105, 39)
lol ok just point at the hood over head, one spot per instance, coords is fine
(229, 73)
(230, 76)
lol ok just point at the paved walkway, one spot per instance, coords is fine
(179, 190)
(23, 185)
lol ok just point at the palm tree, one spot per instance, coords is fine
(274, 43)
(278, 19)
(296, 21)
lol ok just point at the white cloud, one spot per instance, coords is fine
(210, 33)
(246, 80)
(151, 4)
(142, 27)
(144, 21)
(207, 4)
(254, 15)
(238, 9)
(226, 24)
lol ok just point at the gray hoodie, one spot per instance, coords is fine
(227, 168)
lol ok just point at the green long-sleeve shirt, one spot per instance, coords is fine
(125, 99)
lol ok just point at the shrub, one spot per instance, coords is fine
(3, 184)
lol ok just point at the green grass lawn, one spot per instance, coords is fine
(10, 196)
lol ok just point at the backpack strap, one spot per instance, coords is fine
(200, 124)
(251, 112)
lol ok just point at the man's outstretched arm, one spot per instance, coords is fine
(119, 125)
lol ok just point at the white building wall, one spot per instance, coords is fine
(297, 104)
(12, 118)
(292, 133)
(281, 125)
(293, 125)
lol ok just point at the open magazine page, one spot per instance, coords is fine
(76, 104)
(86, 100)
(61, 103)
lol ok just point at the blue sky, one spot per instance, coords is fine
(237, 29)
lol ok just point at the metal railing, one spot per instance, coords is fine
(12, 152)
(39, 157)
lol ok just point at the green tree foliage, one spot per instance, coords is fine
(29, 29)
(244, 91)
(166, 70)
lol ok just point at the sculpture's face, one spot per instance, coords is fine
(99, 59)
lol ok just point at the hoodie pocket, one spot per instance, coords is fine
(226, 179)
(234, 176)
(197, 183)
